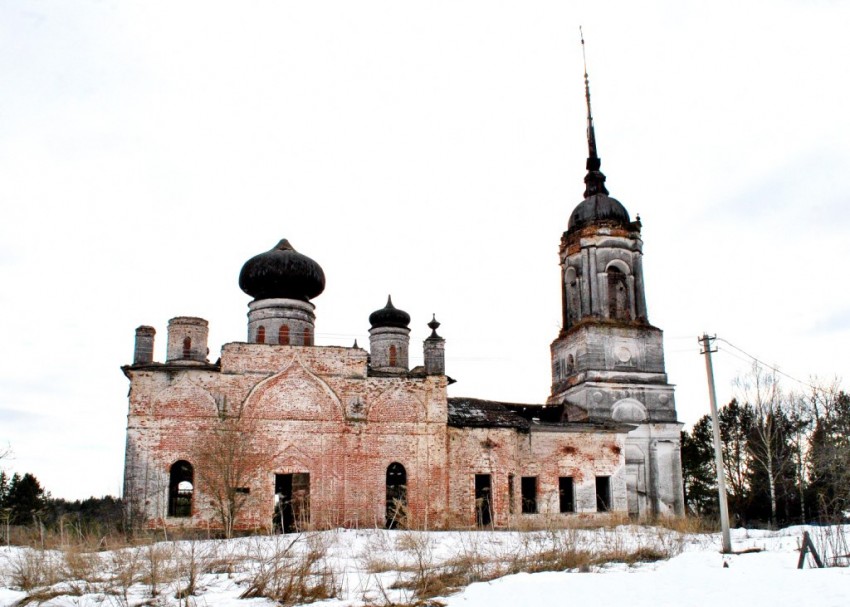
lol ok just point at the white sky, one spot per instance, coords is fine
(432, 150)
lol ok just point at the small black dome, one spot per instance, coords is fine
(282, 272)
(389, 316)
(598, 207)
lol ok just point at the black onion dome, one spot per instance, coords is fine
(283, 273)
(598, 207)
(389, 316)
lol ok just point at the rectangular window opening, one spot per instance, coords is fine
(510, 493)
(603, 493)
(528, 486)
(292, 502)
(565, 494)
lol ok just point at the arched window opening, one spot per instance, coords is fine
(187, 347)
(181, 479)
(393, 356)
(573, 304)
(261, 335)
(283, 335)
(571, 364)
(308, 337)
(396, 510)
(618, 295)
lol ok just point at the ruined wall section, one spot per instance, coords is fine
(550, 453)
(547, 454)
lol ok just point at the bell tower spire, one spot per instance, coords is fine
(594, 180)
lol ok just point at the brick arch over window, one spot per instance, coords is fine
(295, 394)
(183, 399)
(398, 403)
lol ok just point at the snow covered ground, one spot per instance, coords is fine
(376, 567)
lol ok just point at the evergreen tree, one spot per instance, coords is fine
(698, 470)
(25, 498)
(736, 422)
(829, 458)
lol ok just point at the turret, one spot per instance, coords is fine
(389, 339)
(434, 349)
(187, 340)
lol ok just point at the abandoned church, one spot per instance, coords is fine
(279, 432)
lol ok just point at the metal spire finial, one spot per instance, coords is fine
(595, 180)
(591, 134)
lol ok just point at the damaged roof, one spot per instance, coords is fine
(477, 413)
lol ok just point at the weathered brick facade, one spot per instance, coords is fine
(282, 432)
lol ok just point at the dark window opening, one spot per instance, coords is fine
(261, 335)
(292, 497)
(571, 364)
(187, 347)
(283, 335)
(393, 356)
(565, 494)
(603, 493)
(242, 490)
(396, 506)
(483, 501)
(180, 488)
(528, 487)
(618, 295)
(308, 337)
(510, 493)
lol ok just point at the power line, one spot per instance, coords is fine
(764, 364)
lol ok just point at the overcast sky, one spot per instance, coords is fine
(432, 150)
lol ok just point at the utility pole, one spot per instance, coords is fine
(705, 341)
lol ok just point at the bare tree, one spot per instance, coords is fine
(768, 446)
(229, 460)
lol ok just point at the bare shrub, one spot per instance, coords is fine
(832, 542)
(290, 575)
(30, 568)
(125, 569)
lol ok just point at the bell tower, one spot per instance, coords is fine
(608, 360)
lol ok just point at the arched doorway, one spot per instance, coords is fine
(396, 510)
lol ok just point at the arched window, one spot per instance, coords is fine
(261, 335)
(308, 336)
(283, 335)
(396, 511)
(618, 295)
(181, 479)
(187, 347)
(571, 364)
(573, 299)
(393, 356)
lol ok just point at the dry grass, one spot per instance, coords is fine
(405, 567)
(293, 574)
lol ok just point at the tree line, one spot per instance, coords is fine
(24, 502)
(786, 455)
